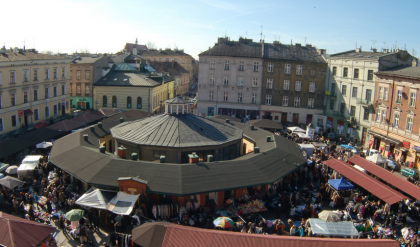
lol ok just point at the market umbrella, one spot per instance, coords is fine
(44, 145)
(329, 216)
(12, 170)
(75, 214)
(10, 182)
(223, 222)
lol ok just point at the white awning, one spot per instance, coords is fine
(296, 129)
(339, 229)
(96, 198)
(122, 204)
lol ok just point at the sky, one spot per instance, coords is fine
(105, 26)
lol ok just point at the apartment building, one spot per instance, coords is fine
(293, 84)
(350, 88)
(230, 79)
(395, 125)
(84, 71)
(33, 87)
(177, 72)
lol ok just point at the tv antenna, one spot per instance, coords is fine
(305, 40)
(261, 32)
(373, 42)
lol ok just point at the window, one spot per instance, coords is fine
(412, 99)
(158, 153)
(354, 93)
(0, 78)
(409, 125)
(14, 122)
(35, 75)
(286, 85)
(366, 114)
(78, 74)
(47, 74)
(254, 98)
(47, 111)
(139, 103)
(334, 70)
(285, 101)
(212, 79)
(55, 91)
(128, 102)
(333, 86)
(370, 75)
(63, 72)
(299, 70)
(55, 73)
(381, 93)
(311, 87)
(311, 102)
(378, 116)
(55, 110)
(104, 101)
(25, 76)
(114, 101)
(212, 64)
(386, 92)
(227, 65)
(270, 67)
(269, 83)
(298, 86)
(46, 93)
(383, 116)
(35, 94)
(344, 90)
(167, 59)
(225, 96)
(345, 72)
(87, 76)
(356, 74)
(36, 114)
(25, 97)
(297, 102)
(241, 66)
(12, 77)
(368, 95)
(176, 59)
(12, 100)
(313, 72)
(240, 81)
(226, 80)
(63, 89)
(343, 108)
(78, 89)
(255, 82)
(256, 66)
(87, 89)
(396, 122)
(239, 97)
(211, 95)
(398, 97)
(352, 111)
(1, 124)
(332, 104)
(287, 68)
(268, 99)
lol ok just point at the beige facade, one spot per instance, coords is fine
(33, 87)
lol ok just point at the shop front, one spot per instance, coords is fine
(84, 103)
(417, 156)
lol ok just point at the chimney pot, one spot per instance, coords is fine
(256, 150)
(85, 137)
(227, 120)
(121, 120)
(209, 158)
(102, 149)
(100, 125)
(252, 127)
(134, 156)
(92, 128)
(162, 159)
(268, 138)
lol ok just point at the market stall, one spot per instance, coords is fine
(122, 203)
(96, 198)
(333, 229)
(377, 159)
(340, 184)
(252, 207)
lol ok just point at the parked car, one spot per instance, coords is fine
(42, 124)
(410, 172)
(392, 165)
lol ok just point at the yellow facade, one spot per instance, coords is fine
(35, 82)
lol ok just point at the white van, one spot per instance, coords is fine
(371, 152)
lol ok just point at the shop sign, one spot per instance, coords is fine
(387, 148)
(406, 144)
(417, 148)
(20, 113)
(418, 154)
(382, 145)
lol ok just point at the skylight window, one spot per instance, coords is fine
(125, 79)
(115, 79)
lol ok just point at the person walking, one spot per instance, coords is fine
(90, 237)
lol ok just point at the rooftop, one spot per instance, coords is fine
(402, 71)
(86, 60)
(242, 48)
(173, 68)
(163, 52)
(366, 55)
(176, 131)
(130, 79)
(27, 56)
(293, 52)
(129, 47)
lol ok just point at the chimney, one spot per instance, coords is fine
(374, 50)
(268, 138)
(92, 128)
(163, 159)
(276, 42)
(85, 137)
(227, 121)
(308, 45)
(102, 149)
(252, 127)
(122, 152)
(298, 45)
(134, 156)
(100, 125)
(414, 62)
(121, 120)
(193, 158)
(209, 158)
(256, 150)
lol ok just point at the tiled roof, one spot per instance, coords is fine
(163, 53)
(85, 60)
(173, 68)
(370, 55)
(132, 57)
(402, 71)
(293, 52)
(26, 56)
(176, 100)
(115, 78)
(235, 49)
(176, 131)
(129, 47)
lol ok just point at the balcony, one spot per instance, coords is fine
(330, 94)
(337, 113)
(364, 102)
(396, 130)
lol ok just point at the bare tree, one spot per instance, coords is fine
(175, 46)
(150, 45)
(86, 50)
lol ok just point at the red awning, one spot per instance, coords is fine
(28, 112)
(374, 186)
(387, 176)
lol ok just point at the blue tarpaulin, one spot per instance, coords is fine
(340, 184)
